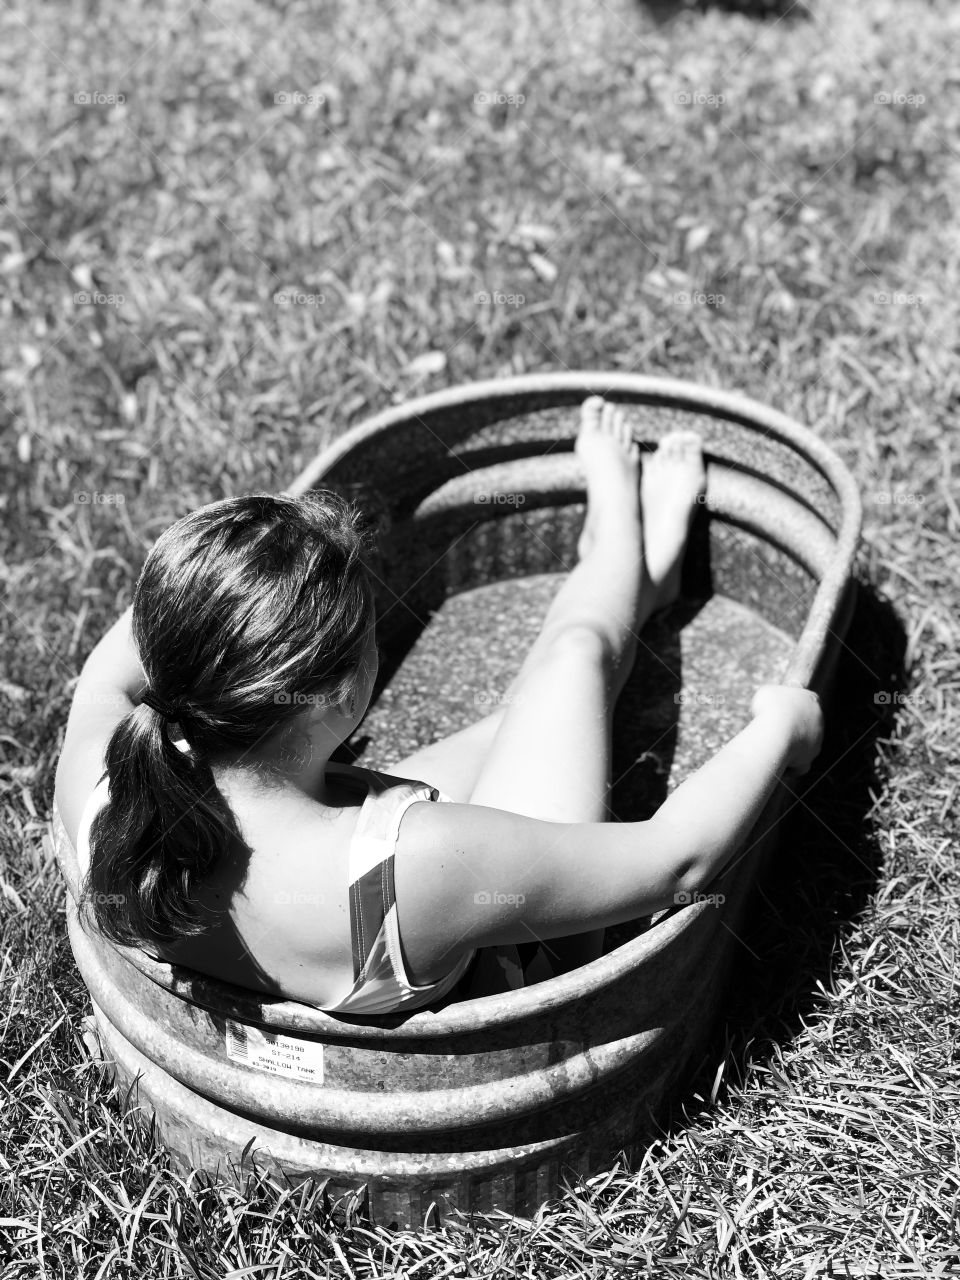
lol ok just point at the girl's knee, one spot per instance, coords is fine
(581, 642)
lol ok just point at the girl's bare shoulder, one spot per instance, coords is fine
(461, 872)
(284, 898)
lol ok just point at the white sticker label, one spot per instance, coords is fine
(270, 1051)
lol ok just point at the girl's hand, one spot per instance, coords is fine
(799, 711)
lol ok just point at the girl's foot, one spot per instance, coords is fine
(673, 480)
(611, 462)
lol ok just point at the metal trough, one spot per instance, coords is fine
(487, 1103)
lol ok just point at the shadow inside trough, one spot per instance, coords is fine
(824, 868)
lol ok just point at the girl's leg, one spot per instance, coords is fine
(550, 757)
(454, 763)
(584, 651)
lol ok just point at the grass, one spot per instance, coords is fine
(819, 224)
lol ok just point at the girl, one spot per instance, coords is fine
(219, 835)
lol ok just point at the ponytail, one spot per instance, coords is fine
(163, 829)
(246, 611)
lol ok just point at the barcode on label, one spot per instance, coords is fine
(237, 1041)
(270, 1051)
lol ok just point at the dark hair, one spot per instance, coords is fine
(244, 611)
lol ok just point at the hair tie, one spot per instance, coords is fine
(162, 708)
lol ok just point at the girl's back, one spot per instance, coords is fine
(280, 907)
(314, 901)
(304, 905)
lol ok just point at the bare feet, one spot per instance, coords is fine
(611, 461)
(673, 479)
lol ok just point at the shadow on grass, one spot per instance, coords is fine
(825, 868)
(664, 11)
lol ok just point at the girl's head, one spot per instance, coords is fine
(249, 614)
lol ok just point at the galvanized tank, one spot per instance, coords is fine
(488, 1103)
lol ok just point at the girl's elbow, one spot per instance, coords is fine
(688, 864)
(696, 871)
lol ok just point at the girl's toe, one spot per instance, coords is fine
(591, 410)
(668, 446)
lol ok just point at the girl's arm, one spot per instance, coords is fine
(110, 682)
(484, 876)
(114, 663)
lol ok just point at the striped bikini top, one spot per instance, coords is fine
(381, 983)
(380, 980)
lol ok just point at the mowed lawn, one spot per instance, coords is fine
(229, 232)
